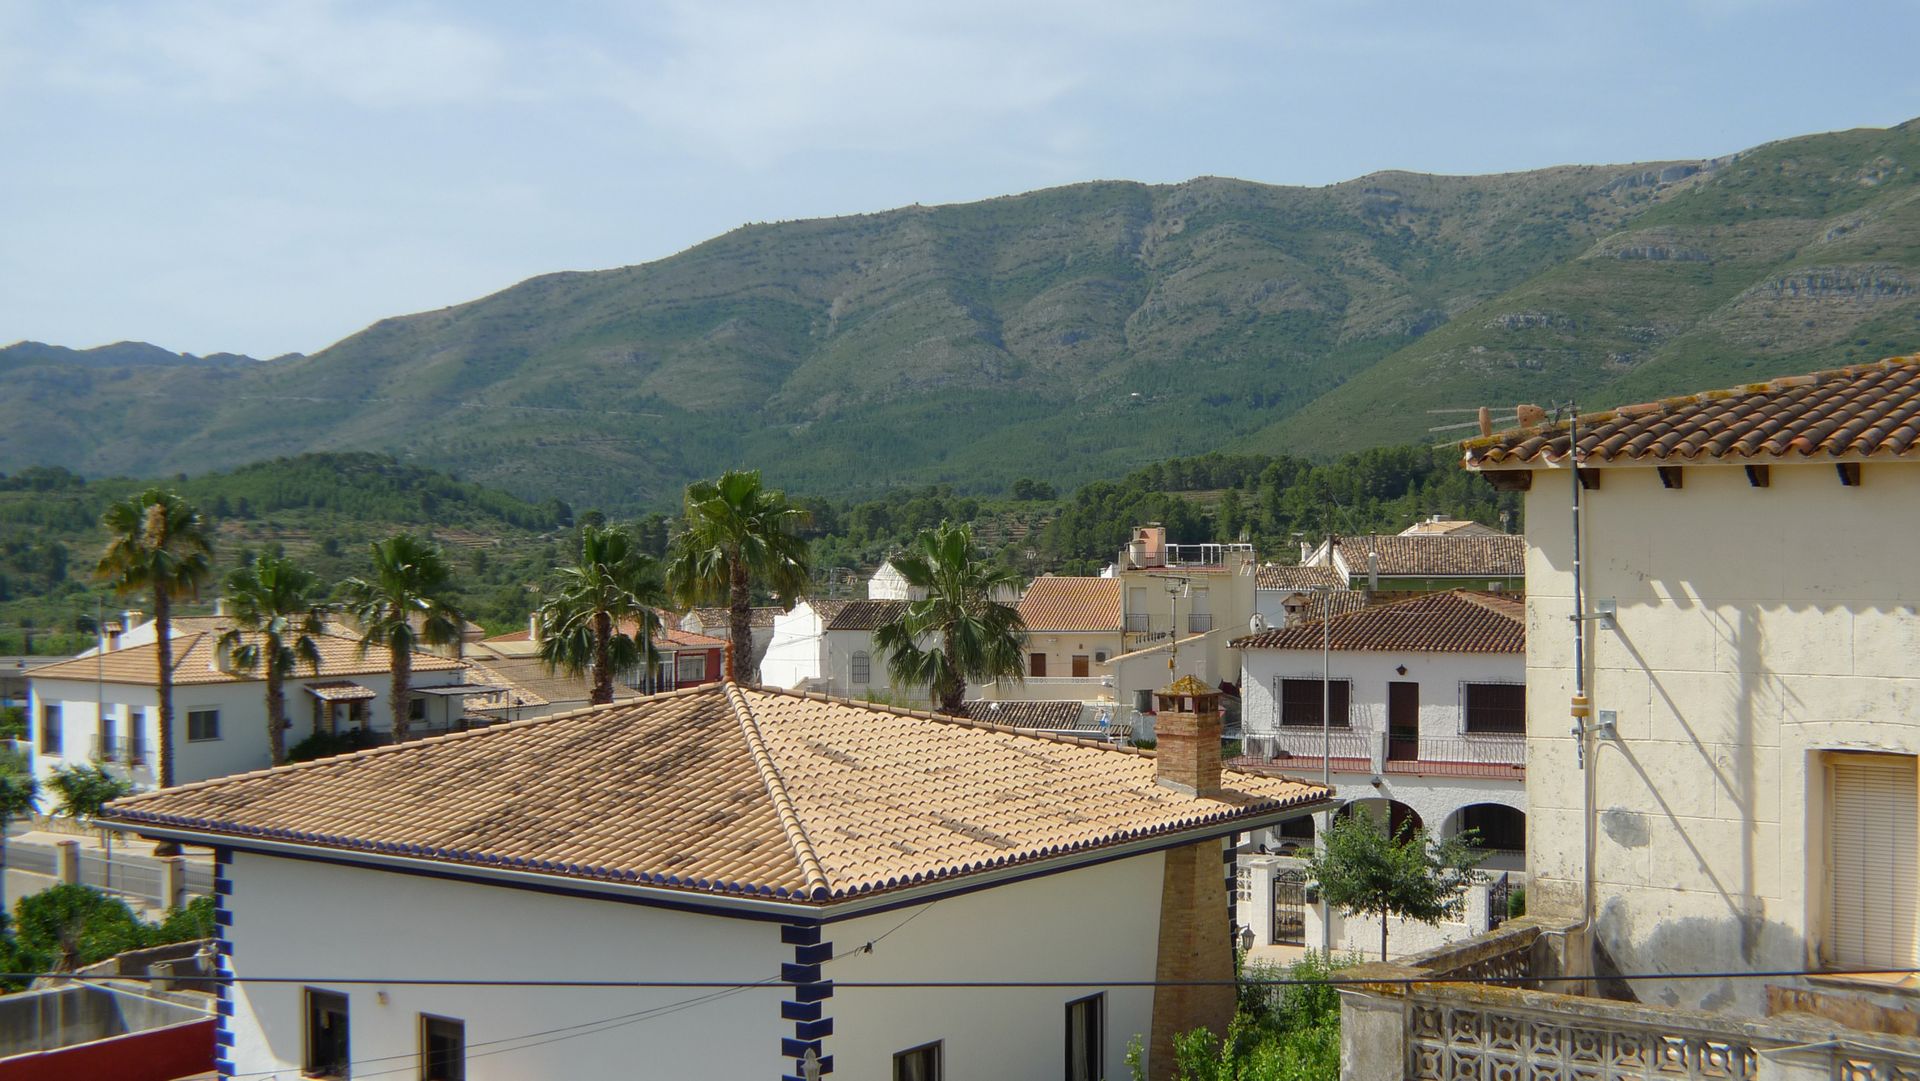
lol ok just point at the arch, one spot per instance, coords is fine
(1391, 814)
(1501, 828)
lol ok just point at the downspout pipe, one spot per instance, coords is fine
(1582, 705)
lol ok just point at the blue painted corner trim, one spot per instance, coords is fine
(806, 1009)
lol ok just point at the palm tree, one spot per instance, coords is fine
(969, 634)
(736, 530)
(403, 605)
(157, 543)
(275, 607)
(582, 624)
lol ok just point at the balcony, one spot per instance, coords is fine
(1199, 622)
(1366, 750)
(118, 749)
(1138, 622)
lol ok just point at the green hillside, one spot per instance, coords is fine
(1066, 334)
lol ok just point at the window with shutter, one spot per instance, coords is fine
(1873, 834)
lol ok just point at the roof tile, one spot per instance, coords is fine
(721, 789)
(1863, 411)
(1457, 621)
(1060, 603)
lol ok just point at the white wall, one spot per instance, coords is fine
(242, 745)
(798, 650)
(1440, 675)
(298, 918)
(293, 917)
(1757, 627)
(1097, 923)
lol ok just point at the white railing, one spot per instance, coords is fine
(1204, 555)
(1307, 743)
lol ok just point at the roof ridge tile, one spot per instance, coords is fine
(804, 852)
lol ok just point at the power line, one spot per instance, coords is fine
(745, 985)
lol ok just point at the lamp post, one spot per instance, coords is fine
(1326, 746)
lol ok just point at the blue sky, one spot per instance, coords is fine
(263, 178)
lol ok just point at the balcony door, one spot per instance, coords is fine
(1403, 721)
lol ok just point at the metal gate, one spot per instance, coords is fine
(1289, 907)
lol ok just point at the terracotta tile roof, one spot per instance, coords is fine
(825, 609)
(760, 618)
(1272, 576)
(721, 790)
(526, 678)
(195, 661)
(865, 615)
(1457, 621)
(1450, 527)
(341, 690)
(1336, 602)
(1053, 716)
(1055, 603)
(1865, 411)
(1502, 556)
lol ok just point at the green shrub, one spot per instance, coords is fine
(328, 744)
(1517, 903)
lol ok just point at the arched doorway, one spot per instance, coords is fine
(1395, 817)
(1502, 833)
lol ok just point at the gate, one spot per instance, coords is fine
(1290, 907)
(1499, 896)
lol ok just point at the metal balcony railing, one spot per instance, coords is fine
(1138, 622)
(1199, 622)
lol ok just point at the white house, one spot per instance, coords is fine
(789, 855)
(717, 623)
(1421, 561)
(102, 708)
(1284, 595)
(1743, 795)
(1428, 729)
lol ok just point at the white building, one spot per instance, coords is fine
(717, 623)
(103, 708)
(1744, 794)
(827, 646)
(792, 846)
(1287, 595)
(1428, 729)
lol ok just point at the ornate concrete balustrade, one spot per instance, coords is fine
(1415, 1025)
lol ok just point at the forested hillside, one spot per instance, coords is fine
(324, 510)
(1064, 335)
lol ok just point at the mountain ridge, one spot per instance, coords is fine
(1067, 333)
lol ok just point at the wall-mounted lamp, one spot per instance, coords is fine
(1401, 670)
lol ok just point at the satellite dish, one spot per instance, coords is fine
(1257, 624)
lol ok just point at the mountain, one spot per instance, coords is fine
(1069, 333)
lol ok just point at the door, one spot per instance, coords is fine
(1037, 665)
(1289, 907)
(1403, 721)
(1080, 669)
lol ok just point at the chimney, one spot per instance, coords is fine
(1194, 966)
(131, 618)
(533, 625)
(1373, 572)
(220, 606)
(1188, 729)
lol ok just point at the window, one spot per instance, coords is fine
(1083, 1039)
(690, 667)
(203, 724)
(919, 1064)
(1496, 707)
(50, 730)
(1300, 702)
(136, 737)
(1872, 839)
(1080, 669)
(360, 711)
(862, 668)
(328, 1052)
(109, 736)
(1036, 664)
(416, 708)
(443, 1049)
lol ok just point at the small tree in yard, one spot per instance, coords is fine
(83, 790)
(19, 796)
(1364, 872)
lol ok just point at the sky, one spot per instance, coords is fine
(263, 178)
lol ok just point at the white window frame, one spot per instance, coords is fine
(681, 676)
(1462, 729)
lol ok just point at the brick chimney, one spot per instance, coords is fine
(1196, 933)
(1188, 730)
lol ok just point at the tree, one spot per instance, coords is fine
(19, 796)
(969, 634)
(158, 544)
(275, 607)
(1364, 872)
(615, 585)
(734, 531)
(405, 604)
